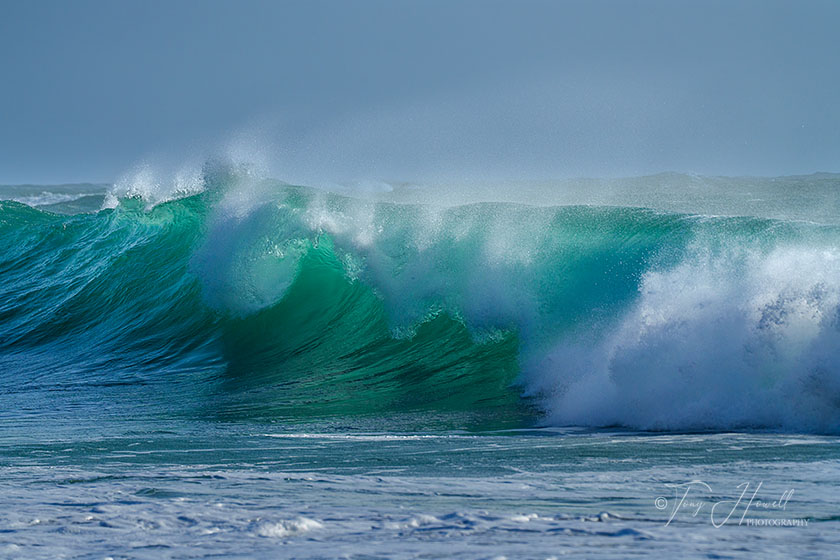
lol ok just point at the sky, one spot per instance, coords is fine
(432, 90)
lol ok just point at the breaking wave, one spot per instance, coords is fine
(278, 300)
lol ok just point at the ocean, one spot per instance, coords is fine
(225, 365)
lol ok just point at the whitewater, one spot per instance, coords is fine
(193, 360)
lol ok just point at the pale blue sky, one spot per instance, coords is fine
(416, 90)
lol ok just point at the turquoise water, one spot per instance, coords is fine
(241, 367)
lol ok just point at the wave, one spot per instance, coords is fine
(62, 199)
(277, 300)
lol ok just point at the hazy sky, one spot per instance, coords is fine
(363, 90)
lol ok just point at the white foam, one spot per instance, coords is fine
(288, 527)
(735, 339)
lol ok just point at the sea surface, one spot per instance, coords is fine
(219, 364)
